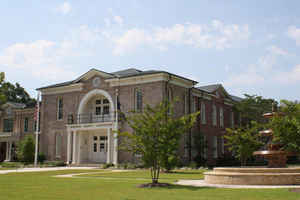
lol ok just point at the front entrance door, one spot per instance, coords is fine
(99, 148)
(2, 151)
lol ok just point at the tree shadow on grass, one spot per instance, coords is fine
(181, 187)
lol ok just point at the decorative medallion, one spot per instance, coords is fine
(96, 82)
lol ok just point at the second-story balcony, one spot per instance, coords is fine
(87, 118)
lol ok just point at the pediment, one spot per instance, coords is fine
(93, 73)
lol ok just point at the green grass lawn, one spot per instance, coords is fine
(106, 185)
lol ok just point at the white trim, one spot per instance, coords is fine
(63, 89)
(148, 79)
(90, 95)
(204, 96)
(91, 73)
(90, 126)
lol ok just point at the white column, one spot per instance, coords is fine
(108, 146)
(74, 148)
(9, 153)
(115, 152)
(69, 147)
(79, 148)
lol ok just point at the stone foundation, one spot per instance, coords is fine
(253, 176)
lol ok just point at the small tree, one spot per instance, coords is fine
(243, 141)
(156, 134)
(26, 149)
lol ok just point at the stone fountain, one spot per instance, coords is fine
(275, 174)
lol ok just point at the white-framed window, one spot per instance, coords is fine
(26, 122)
(138, 100)
(58, 143)
(221, 117)
(60, 111)
(232, 119)
(102, 106)
(194, 104)
(185, 97)
(203, 113)
(215, 147)
(214, 115)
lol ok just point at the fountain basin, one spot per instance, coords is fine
(253, 176)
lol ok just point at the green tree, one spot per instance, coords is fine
(252, 108)
(2, 95)
(244, 141)
(286, 127)
(26, 149)
(155, 135)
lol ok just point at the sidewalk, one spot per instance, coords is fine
(21, 170)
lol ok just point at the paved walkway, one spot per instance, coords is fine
(201, 183)
(21, 170)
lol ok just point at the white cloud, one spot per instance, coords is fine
(267, 70)
(119, 20)
(294, 33)
(107, 22)
(276, 50)
(64, 8)
(215, 35)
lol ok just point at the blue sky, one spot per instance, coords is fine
(249, 46)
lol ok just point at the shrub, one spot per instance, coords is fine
(55, 163)
(41, 158)
(12, 164)
(26, 149)
(107, 165)
(193, 165)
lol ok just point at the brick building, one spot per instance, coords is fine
(17, 121)
(78, 118)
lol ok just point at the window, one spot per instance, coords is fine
(232, 119)
(214, 115)
(185, 104)
(8, 125)
(194, 104)
(215, 147)
(58, 145)
(26, 124)
(202, 112)
(60, 108)
(138, 100)
(221, 117)
(106, 110)
(98, 110)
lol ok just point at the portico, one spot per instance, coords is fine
(92, 143)
(92, 134)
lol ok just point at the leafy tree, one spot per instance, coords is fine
(286, 129)
(244, 141)
(26, 149)
(2, 95)
(252, 108)
(155, 135)
(14, 93)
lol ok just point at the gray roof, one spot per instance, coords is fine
(214, 87)
(236, 98)
(209, 88)
(119, 74)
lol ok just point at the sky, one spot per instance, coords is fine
(251, 47)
